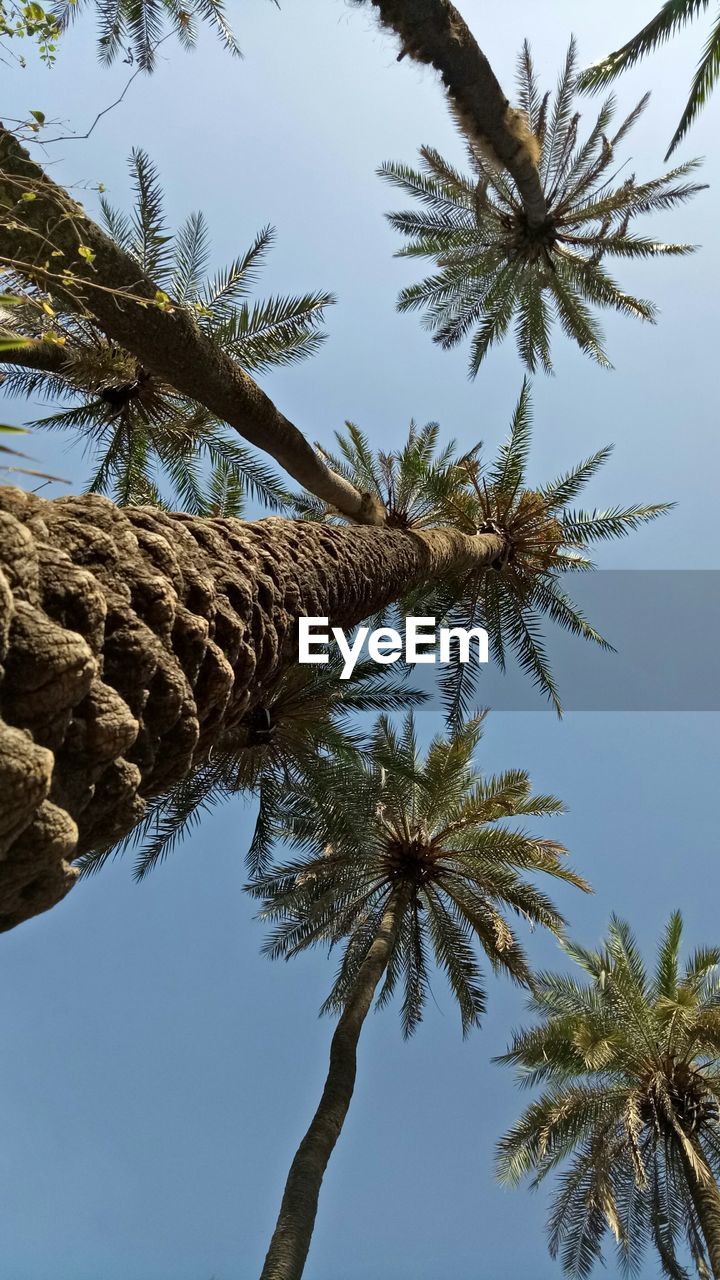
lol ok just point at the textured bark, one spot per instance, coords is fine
(131, 640)
(169, 343)
(289, 1246)
(706, 1199)
(433, 32)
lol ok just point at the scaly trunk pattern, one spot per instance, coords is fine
(132, 639)
(433, 32)
(291, 1239)
(706, 1199)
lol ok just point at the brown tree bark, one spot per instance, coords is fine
(42, 236)
(131, 640)
(290, 1243)
(433, 32)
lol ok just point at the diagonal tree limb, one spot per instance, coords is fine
(44, 233)
(434, 33)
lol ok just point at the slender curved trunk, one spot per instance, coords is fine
(132, 640)
(433, 32)
(706, 1199)
(290, 1243)
(120, 296)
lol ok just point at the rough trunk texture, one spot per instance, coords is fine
(132, 639)
(43, 235)
(289, 1246)
(433, 32)
(706, 1199)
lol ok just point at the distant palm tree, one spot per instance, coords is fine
(421, 488)
(398, 858)
(671, 16)
(494, 268)
(632, 1065)
(309, 713)
(139, 430)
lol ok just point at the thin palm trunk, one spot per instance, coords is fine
(433, 32)
(290, 1243)
(132, 640)
(95, 275)
(706, 1199)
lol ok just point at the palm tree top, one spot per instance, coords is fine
(670, 17)
(546, 537)
(630, 1065)
(149, 444)
(495, 268)
(429, 832)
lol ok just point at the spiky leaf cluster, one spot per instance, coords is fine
(495, 270)
(430, 830)
(136, 28)
(629, 1063)
(148, 443)
(307, 714)
(546, 538)
(667, 22)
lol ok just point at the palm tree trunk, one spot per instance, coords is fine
(290, 1243)
(110, 285)
(132, 640)
(706, 1199)
(433, 32)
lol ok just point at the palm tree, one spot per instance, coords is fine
(138, 429)
(421, 488)
(306, 715)
(631, 1065)
(495, 268)
(670, 18)
(142, 639)
(398, 858)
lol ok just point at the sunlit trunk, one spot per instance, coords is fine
(132, 640)
(434, 32)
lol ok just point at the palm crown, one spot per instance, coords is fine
(631, 1065)
(495, 269)
(545, 537)
(139, 430)
(429, 834)
(671, 16)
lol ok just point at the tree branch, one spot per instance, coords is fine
(434, 33)
(45, 235)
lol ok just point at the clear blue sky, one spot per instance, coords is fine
(156, 1071)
